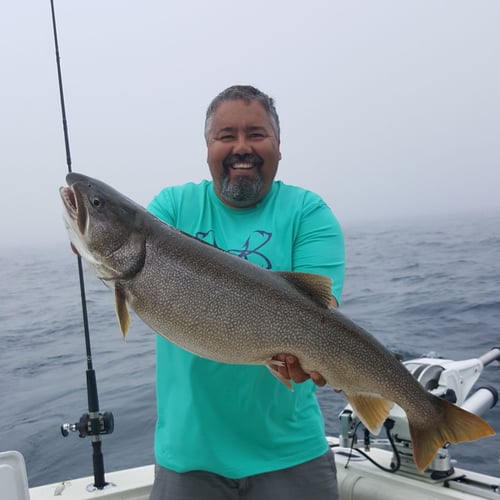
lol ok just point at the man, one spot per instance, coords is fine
(232, 431)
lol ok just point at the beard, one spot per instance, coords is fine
(242, 190)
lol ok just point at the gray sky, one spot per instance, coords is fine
(389, 108)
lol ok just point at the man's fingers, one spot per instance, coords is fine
(318, 379)
(291, 369)
(297, 374)
(283, 370)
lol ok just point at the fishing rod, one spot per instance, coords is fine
(94, 423)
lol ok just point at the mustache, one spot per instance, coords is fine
(253, 158)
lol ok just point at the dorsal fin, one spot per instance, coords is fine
(315, 286)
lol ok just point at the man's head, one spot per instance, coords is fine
(242, 133)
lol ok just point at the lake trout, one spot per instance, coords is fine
(227, 309)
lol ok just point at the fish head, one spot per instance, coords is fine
(105, 228)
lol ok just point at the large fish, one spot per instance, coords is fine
(224, 308)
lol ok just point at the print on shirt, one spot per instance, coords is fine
(250, 250)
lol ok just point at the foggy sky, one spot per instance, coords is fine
(388, 108)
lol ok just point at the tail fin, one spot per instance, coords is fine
(456, 425)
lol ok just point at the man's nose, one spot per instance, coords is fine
(242, 145)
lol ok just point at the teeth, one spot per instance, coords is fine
(242, 166)
(69, 199)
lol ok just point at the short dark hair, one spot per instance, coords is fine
(245, 93)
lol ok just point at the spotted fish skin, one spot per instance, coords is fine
(227, 309)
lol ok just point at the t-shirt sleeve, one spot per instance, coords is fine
(162, 207)
(319, 243)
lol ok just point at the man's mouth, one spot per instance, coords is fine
(242, 166)
(243, 162)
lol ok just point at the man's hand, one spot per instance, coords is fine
(292, 370)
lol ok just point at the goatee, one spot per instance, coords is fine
(242, 190)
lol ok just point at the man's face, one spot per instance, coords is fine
(243, 153)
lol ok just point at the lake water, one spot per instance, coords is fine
(419, 286)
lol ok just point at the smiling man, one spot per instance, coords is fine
(230, 431)
(243, 152)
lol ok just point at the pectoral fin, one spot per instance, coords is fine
(277, 374)
(122, 311)
(371, 410)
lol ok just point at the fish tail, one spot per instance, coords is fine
(453, 425)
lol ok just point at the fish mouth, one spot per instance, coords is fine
(71, 203)
(69, 200)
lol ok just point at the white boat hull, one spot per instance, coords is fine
(361, 480)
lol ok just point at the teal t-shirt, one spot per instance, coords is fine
(239, 420)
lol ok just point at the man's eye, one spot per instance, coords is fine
(226, 137)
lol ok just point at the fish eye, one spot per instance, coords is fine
(96, 202)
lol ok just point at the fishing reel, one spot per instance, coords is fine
(91, 425)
